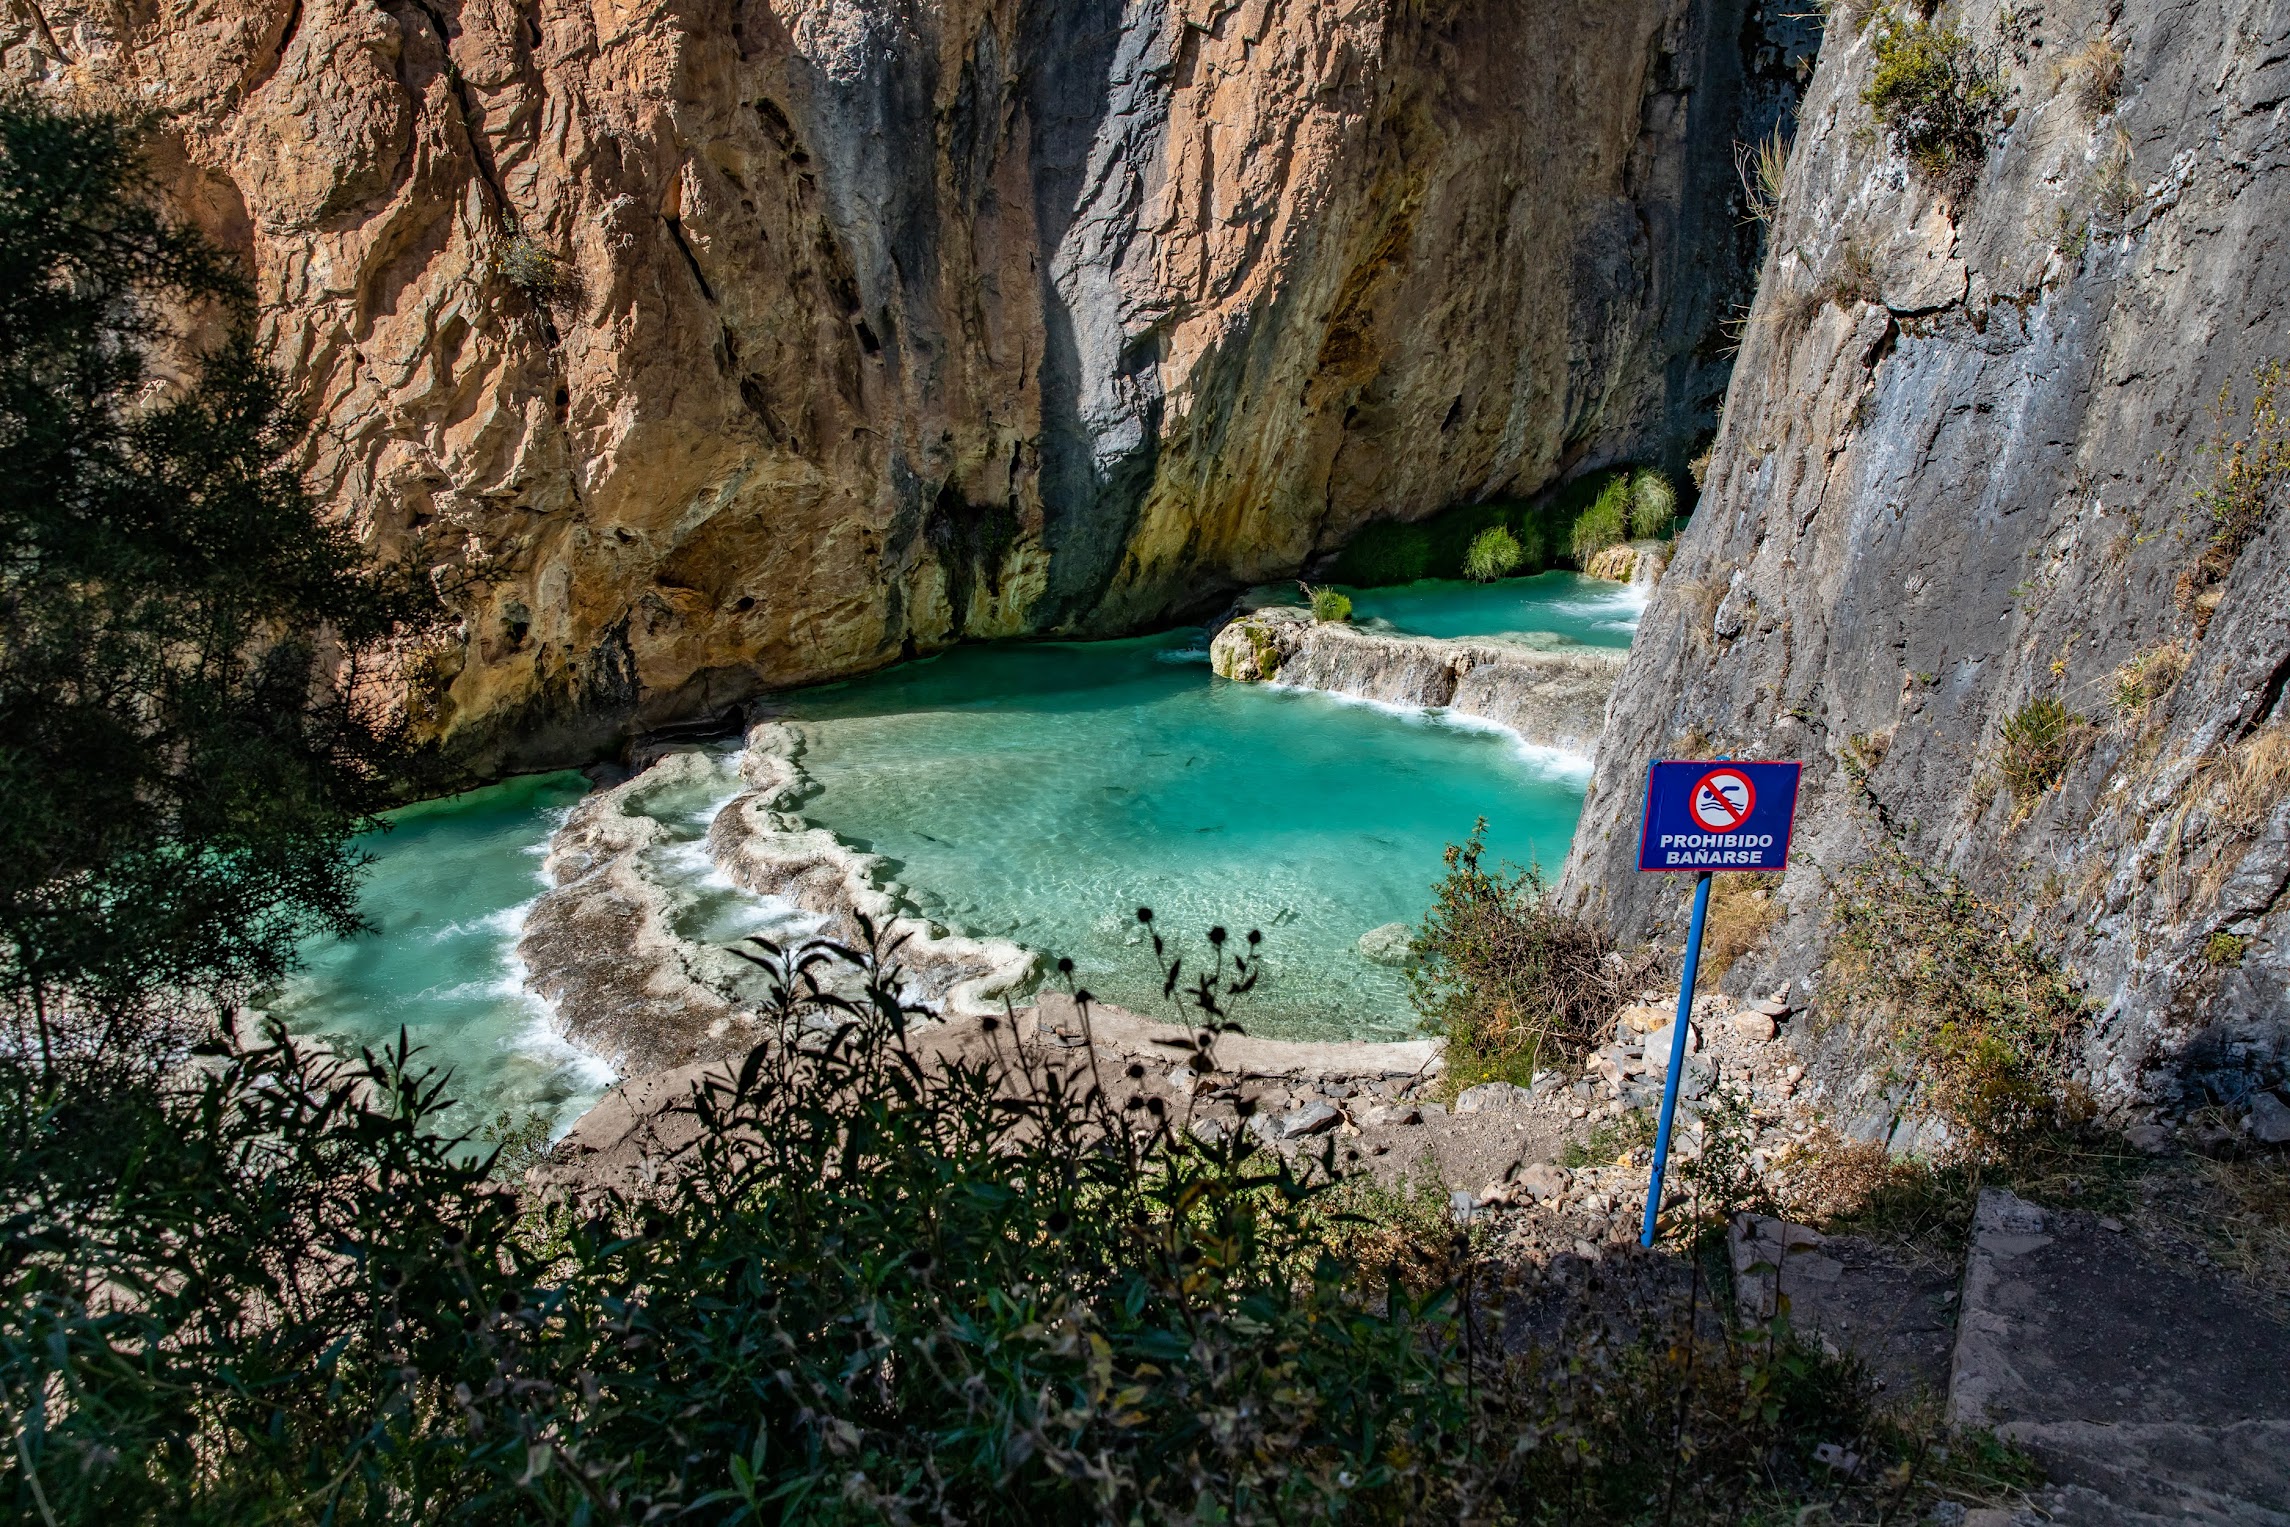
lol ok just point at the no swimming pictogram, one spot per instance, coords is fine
(1722, 800)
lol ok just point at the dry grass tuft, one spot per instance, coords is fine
(2247, 485)
(2251, 1230)
(2223, 810)
(1743, 909)
(2134, 688)
(2093, 75)
(1854, 281)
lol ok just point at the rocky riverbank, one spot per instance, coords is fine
(1551, 696)
(603, 946)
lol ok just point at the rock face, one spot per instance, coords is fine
(1968, 466)
(1553, 697)
(727, 344)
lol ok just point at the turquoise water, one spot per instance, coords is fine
(1038, 792)
(1587, 610)
(1042, 792)
(447, 893)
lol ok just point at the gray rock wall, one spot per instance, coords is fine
(1961, 470)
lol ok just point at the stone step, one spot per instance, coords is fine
(2152, 1390)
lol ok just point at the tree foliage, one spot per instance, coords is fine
(185, 742)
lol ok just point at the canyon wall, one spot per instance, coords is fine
(710, 346)
(1963, 517)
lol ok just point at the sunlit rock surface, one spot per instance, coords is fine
(712, 347)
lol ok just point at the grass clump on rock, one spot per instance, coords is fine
(1494, 554)
(1329, 606)
(1605, 523)
(2040, 740)
(1938, 97)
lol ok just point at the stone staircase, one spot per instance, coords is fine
(2152, 1388)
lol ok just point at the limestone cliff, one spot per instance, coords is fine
(709, 346)
(1962, 518)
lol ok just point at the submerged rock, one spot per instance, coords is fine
(1387, 945)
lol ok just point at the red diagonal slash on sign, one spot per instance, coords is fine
(1713, 808)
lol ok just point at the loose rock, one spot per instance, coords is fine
(1490, 1095)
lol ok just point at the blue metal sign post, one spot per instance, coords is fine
(1705, 817)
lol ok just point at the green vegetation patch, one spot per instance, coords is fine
(1984, 1023)
(1939, 98)
(1620, 503)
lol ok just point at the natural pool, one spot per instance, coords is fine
(446, 895)
(1038, 792)
(1041, 793)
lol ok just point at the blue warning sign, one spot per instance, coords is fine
(1718, 814)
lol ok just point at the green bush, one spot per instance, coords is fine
(1653, 503)
(1330, 606)
(1605, 523)
(1938, 97)
(1511, 981)
(875, 1285)
(1494, 553)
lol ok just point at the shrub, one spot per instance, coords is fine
(1605, 523)
(2040, 740)
(1984, 1022)
(1938, 98)
(1653, 503)
(529, 267)
(1494, 554)
(1511, 981)
(1329, 606)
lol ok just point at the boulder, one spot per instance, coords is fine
(1753, 1024)
(2269, 1119)
(1657, 1046)
(1490, 1095)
